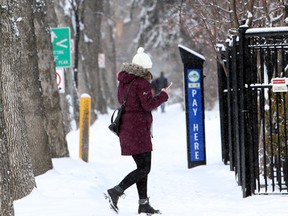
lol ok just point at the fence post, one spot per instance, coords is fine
(245, 146)
(84, 126)
(222, 87)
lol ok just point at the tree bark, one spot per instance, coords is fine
(69, 100)
(90, 46)
(250, 8)
(234, 17)
(6, 200)
(32, 96)
(76, 9)
(54, 121)
(22, 179)
(114, 26)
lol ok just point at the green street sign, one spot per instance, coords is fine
(60, 38)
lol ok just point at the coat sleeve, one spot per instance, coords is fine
(148, 102)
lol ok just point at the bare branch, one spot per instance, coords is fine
(235, 19)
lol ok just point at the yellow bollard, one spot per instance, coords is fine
(84, 126)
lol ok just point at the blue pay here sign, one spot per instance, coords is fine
(195, 116)
(60, 38)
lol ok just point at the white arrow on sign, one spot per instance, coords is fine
(60, 43)
(53, 36)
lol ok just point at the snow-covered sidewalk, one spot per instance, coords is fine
(75, 188)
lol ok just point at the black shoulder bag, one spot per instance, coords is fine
(115, 123)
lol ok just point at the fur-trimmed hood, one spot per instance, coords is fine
(137, 70)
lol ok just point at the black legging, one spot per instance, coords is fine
(140, 175)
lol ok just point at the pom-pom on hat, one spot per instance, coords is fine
(142, 59)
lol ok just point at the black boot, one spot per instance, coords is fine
(145, 207)
(113, 195)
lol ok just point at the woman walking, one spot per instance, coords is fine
(135, 132)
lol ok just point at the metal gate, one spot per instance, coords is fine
(254, 119)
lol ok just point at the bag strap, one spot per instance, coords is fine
(112, 117)
(126, 96)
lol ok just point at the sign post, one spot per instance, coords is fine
(194, 100)
(60, 38)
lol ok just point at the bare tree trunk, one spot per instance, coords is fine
(51, 14)
(111, 20)
(90, 47)
(69, 100)
(32, 97)
(22, 179)
(6, 201)
(51, 97)
(76, 5)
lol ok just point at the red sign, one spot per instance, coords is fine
(279, 81)
(279, 85)
(58, 79)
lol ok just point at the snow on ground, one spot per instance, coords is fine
(75, 188)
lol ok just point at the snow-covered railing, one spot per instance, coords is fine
(254, 121)
(271, 31)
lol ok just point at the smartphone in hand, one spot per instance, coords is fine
(169, 86)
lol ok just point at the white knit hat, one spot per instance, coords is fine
(142, 59)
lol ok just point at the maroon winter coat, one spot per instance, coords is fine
(135, 130)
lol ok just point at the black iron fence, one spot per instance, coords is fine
(254, 118)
